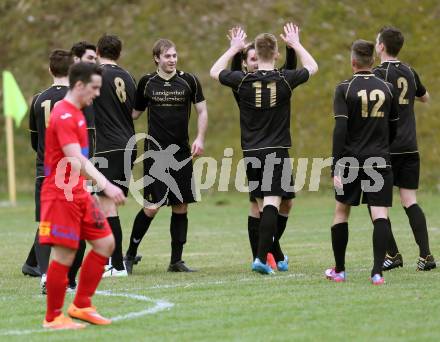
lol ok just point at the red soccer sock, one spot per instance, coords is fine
(56, 289)
(89, 278)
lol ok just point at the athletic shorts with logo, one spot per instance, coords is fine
(64, 223)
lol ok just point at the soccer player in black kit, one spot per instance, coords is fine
(168, 95)
(264, 102)
(247, 60)
(405, 158)
(114, 128)
(365, 111)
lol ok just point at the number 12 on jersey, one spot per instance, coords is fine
(272, 86)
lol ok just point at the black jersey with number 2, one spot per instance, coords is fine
(408, 86)
(113, 109)
(369, 104)
(169, 106)
(264, 102)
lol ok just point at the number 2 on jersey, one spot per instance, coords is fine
(375, 95)
(272, 86)
(120, 89)
(402, 83)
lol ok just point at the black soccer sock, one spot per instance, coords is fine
(380, 238)
(339, 234)
(276, 247)
(268, 227)
(253, 226)
(140, 227)
(115, 224)
(77, 262)
(31, 259)
(417, 222)
(392, 249)
(42, 253)
(178, 231)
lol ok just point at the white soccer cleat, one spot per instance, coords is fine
(113, 272)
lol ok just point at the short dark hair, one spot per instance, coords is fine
(79, 49)
(266, 46)
(363, 52)
(160, 46)
(248, 48)
(82, 72)
(392, 38)
(109, 46)
(59, 62)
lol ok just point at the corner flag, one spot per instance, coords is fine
(14, 104)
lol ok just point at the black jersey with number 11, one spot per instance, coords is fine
(264, 102)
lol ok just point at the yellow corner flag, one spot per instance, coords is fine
(14, 104)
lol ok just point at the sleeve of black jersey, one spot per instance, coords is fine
(394, 115)
(141, 102)
(379, 73)
(231, 79)
(291, 61)
(340, 112)
(420, 88)
(196, 89)
(236, 62)
(33, 125)
(296, 77)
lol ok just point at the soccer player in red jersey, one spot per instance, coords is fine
(68, 212)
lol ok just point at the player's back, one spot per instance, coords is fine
(369, 102)
(407, 84)
(40, 113)
(113, 109)
(264, 101)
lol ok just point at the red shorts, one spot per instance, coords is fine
(65, 223)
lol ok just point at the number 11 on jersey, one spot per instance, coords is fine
(272, 86)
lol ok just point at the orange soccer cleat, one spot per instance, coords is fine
(271, 261)
(88, 315)
(62, 322)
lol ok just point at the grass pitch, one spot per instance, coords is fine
(225, 300)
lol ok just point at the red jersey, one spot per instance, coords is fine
(67, 125)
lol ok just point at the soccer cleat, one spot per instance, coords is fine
(32, 271)
(426, 264)
(270, 260)
(62, 322)
(71, 288)
(43, 282)
(283, 265)
(88, 315)
(258, 266)
(377, 279)
(129, 261)
(113, 272)
(391, 262)
(337, 277)
(180, 267)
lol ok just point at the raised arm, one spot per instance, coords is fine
(291, 62)
(238, 37)
(198, 146)
(291, 38)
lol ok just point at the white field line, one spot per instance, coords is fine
(159, 305)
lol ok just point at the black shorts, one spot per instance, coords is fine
(168, 178)
(406, 170)
(381, 197)
(267, 176)
(38, 185)
(116, 171)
